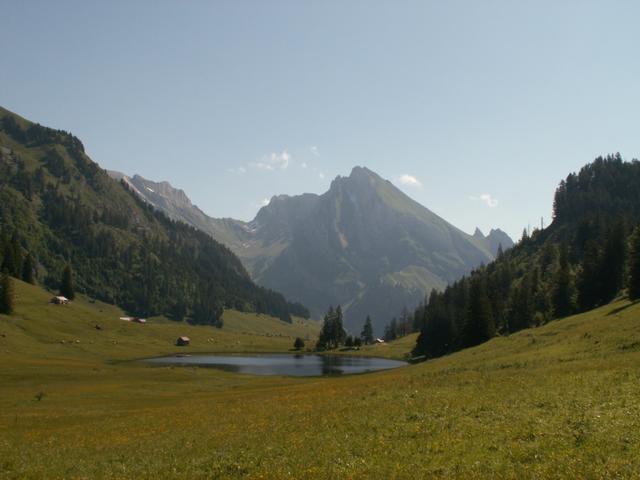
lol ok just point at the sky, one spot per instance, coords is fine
(475, 109)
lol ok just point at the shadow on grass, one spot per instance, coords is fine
(620, 309)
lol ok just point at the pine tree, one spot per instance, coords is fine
(208, 309)
(479, 326)
(6, 294)
(438, 334)
(391, 330)
(590, 281)
(563, 287)
(8, 260)
(332, 333)
(340, 332)
(540, 297)
(17, 257)
(177, 311)
(367, 331)
(405, 322)
(520, 308)
(614, 256)
(633, 280)
(66, 284)
(298, 344)
(27, 269)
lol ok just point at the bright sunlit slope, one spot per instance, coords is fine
(93, 329)
(558, 401)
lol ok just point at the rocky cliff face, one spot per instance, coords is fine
(363, 244)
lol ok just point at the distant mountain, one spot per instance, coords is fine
(496, 239)
(58, 208)
(171, 201)
(174, 203)
(363, 244)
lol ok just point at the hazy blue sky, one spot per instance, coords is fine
(486, 104)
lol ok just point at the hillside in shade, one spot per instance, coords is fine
(59, 208)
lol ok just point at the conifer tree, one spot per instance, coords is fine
(391, 330)
(520, 310)
(27, 269)
(438, 335)
(405, 323)
(332, 333)
(298, 344)
(6, 294)
(340, 332)
(614, 256)
(589, 283)
(17, 257)
(633, 280)
(66, 284)
(563, 287)
(8, 258)
(479, 326)
(367, 331)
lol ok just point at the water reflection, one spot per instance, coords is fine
(298, 365)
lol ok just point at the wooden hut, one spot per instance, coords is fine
(183, 341)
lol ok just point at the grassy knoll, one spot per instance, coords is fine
(560, 401)
(400, 348)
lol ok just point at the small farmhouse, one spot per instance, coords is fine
(183, 341)
(59, 300)
(133, 319)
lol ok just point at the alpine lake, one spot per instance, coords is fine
(296, 365)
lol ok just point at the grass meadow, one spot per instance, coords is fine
(559, 401)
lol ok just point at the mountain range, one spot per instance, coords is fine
(363, 244)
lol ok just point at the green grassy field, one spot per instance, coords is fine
(560, 401)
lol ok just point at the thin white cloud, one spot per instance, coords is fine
(313, 149)
(486, 198)
(304, 165)
(409, 180)
(321, 175)
(264, 202)
(274, 161)
(489, 200)
(240, 170)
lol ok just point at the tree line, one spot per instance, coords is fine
(333, 335)
(589, 255)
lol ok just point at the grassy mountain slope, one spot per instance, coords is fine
(60, 207)
(40, 330)
(559, 401)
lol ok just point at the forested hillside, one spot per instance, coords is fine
(586, 257)
(59, 208)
